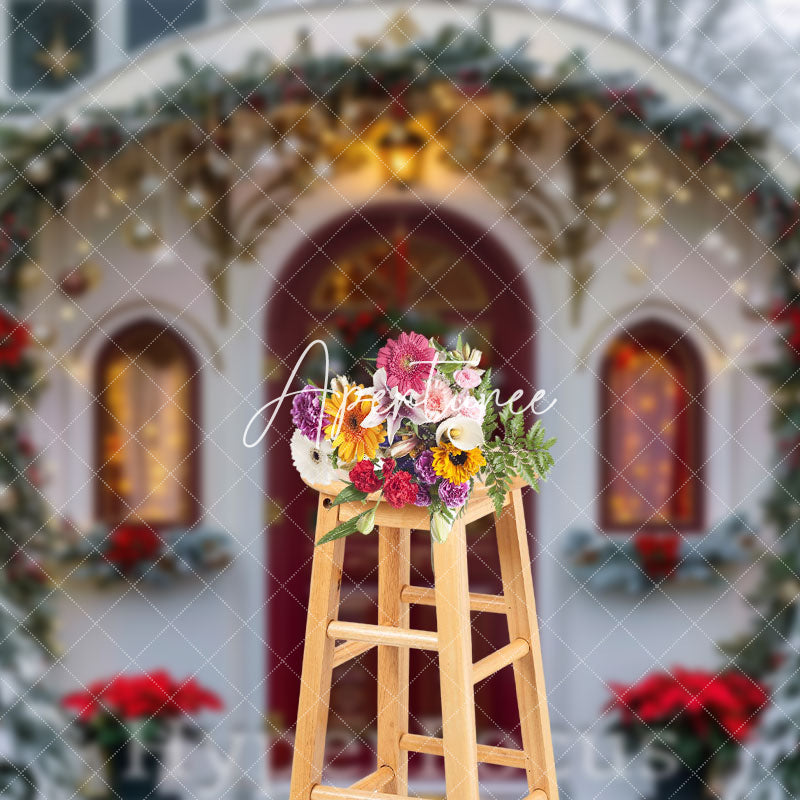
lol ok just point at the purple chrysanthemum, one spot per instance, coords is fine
(306, 412)
(423, 466)
(453, 495)
(423, 496)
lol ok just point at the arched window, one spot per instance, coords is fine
(147, 426)
(651, 431)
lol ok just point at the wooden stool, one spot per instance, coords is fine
(392, 636)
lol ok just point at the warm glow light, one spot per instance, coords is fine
(400, 150)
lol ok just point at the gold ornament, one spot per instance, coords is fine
(30, 275)
(60, 58)
(6, 414)
(44, 335)
(38, 170)
(8, 498)
(789, 590)
(637, 274)
(141, 234)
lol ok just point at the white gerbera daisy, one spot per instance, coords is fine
(312, 462)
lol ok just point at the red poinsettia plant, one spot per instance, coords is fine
(132, 544)
(113, 710)
(696, 714)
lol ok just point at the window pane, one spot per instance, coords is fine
(52, 43)
(148, 20)
(651, 436)
(146, 469)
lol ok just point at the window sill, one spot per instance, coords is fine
(636, 563)
(108, 557)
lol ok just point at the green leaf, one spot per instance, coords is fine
(489, 421)
(348, 495)
(345, 529)
(517, 426)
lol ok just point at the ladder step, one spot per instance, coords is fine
(375, 781)
(422, 596)
(342, 653)
(537, 794)
(432, 745)
(383, 635)
(494, 662)
(320, 792)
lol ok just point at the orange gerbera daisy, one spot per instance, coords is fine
(347, 410)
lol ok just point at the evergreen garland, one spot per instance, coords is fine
(35, 756)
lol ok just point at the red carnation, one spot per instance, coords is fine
(399, 489)
(364, 478)
(388, 467)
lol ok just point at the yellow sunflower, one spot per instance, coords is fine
(457, 466)
(347, 409)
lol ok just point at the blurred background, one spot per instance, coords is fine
(600, 196)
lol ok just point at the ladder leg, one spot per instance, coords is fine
(315, 682)
(455, 666)
(394, 572)
(512, 544)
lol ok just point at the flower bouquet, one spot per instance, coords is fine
(425, 433)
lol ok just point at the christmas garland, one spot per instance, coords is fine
(39, 167)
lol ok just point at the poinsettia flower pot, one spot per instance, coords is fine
(684, 783)
(135, 772)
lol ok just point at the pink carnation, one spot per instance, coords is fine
(436, 403)
(467, 378)
(408, 361)
(468, 406)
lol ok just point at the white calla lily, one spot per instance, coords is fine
(463, 432)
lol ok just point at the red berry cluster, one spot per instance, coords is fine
(14, 340)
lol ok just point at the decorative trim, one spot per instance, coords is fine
(627, 316)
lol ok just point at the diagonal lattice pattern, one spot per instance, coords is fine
(578, 662)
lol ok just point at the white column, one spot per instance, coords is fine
(109, 36)
(5, 61)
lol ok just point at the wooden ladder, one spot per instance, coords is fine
(393, 637)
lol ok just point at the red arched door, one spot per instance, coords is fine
(355, 281)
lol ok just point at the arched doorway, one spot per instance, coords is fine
(354, 281)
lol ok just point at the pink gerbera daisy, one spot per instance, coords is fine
(408, 361)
